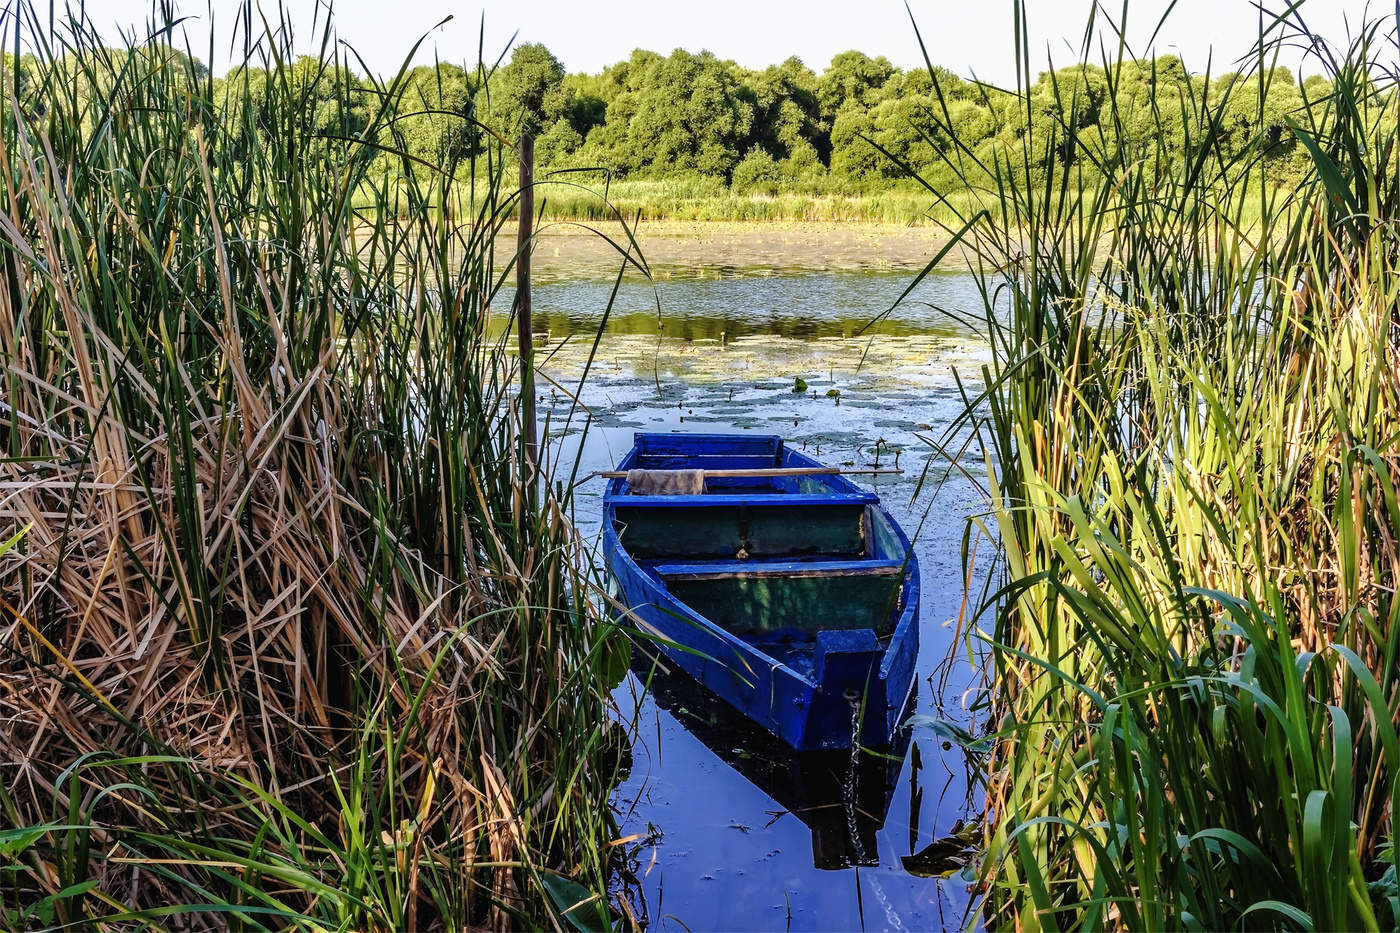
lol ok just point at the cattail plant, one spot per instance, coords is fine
(286, 643)
(1191, 427)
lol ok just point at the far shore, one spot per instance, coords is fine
(567, 248)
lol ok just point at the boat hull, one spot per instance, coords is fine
(822, 689)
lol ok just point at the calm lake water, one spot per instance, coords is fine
(733, 833)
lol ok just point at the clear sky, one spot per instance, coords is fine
(967, 36)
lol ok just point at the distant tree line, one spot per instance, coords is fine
(860, 125)
(863, 121)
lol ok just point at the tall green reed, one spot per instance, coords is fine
(1190, 427)
(287, 642)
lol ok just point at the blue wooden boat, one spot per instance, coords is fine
(794, 598)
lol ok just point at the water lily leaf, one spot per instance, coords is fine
(615, 657)
(949, 732)
(939, 859)
(580, 906)
(799, 385)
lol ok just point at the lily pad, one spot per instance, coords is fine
(943, 857)
(583, 909)
(950, 732)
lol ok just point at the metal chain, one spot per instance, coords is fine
(853, 698)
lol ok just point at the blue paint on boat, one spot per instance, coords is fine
(797, 683)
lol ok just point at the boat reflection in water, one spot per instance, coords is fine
(841, 796)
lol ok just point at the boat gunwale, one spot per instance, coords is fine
(669, 602)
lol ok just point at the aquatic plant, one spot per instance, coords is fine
(1190, 423)
(290, 640)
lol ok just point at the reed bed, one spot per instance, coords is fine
(686, 200)
(287, 637)
(589, 194)
(1191, 424)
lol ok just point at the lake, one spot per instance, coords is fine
(729, 832)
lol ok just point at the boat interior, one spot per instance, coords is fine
(773, 559)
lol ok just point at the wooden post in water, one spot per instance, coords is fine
(523, 308)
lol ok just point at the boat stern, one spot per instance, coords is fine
(848, 692)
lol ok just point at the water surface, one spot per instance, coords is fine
(802, 305)
(731, 832)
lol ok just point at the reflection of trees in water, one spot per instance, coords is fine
(794, 306)
(723, 328)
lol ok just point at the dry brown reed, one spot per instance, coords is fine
(284, 641)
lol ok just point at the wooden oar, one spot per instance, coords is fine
(773, 471)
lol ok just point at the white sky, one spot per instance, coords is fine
(966, 36)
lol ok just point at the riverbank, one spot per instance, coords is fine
(716, 249)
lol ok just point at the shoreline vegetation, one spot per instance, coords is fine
(288, 637)
(676, 202)
(591, 197)
(1191, 430)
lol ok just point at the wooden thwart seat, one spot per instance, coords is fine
(745, 569)
(731, 500)
(719, 526)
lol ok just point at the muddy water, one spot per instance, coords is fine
(731, 831)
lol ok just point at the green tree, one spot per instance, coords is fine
(433, 123)
(787, 115)
(530, 88)
(278, 108)
(1248, 125)
(1065, 106)
(680, 113)
(852, 78)
(589, 108)
(757, 173)
(909, 129)
(332, 94)
(852, 156)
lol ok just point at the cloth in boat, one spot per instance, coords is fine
(666, 482)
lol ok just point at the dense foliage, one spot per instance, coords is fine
(860, 126)
(865, 124)
(289, 636)
(1191, 421)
